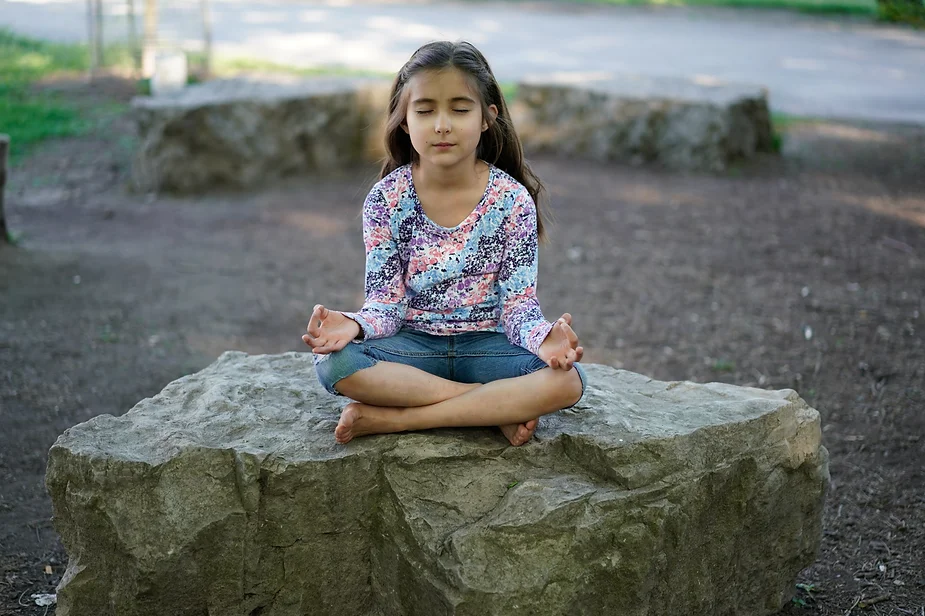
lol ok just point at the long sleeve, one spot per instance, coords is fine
(521, 317)
(385, 306)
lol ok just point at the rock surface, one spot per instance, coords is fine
(247, 131)
(226, 494)
(678, 123)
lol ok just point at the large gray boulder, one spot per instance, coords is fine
(226, 494)
(682, 124)
(248, 131)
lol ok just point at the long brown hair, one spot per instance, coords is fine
(499, 145)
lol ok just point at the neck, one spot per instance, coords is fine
(456, 177)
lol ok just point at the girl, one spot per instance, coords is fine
(451, 332)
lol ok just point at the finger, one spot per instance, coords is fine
(307, 339)
(321, 349)
(328, 348)
(570, 335)
(317, 343)
(314, 323)
(552, 362)
(566, 317)
(579, 353)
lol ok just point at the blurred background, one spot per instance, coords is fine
(802, 266)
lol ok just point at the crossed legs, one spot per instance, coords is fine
(394, 397)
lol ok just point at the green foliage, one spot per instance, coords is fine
(508, 91)
(805, 596)
(910, 12)
(777, 141)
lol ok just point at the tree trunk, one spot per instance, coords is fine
(4, 150)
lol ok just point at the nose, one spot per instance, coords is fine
(442, 124)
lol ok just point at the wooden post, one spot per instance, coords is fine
(91, 38)
(99, 34)
(135, 50)
(4, 150)
(149, 44)
(206, 38)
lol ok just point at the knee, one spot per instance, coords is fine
(568, 387)
(573, 389)
(334, 368)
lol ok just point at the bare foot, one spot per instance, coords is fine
(518, 434)
(354, 421)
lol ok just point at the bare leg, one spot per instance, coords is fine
(506, 401)
(388, 384)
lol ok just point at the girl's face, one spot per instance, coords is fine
(444, 117)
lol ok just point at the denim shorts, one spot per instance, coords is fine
(473, 357)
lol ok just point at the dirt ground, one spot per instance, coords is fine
(806, 272)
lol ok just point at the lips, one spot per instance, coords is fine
(442, 145)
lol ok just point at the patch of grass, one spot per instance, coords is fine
(24, 60)
(844, 7)
(781, 122)
(107, 335)
(225, 67)
(28, 115)
(30, 119)
(722, 365)
(14, 238)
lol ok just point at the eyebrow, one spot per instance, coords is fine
(457, 99)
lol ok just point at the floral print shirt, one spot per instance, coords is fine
(477, 276)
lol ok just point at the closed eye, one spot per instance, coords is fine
(424, 111)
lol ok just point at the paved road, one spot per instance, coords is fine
(817, 66)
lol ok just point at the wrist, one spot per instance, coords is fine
(361, 334)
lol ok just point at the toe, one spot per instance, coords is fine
(343, 431)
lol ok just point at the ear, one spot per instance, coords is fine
(493, 115)
(404, 127)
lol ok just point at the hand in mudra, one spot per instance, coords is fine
(329, 330)
(560, 348)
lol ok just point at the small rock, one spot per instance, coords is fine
(43, 600)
